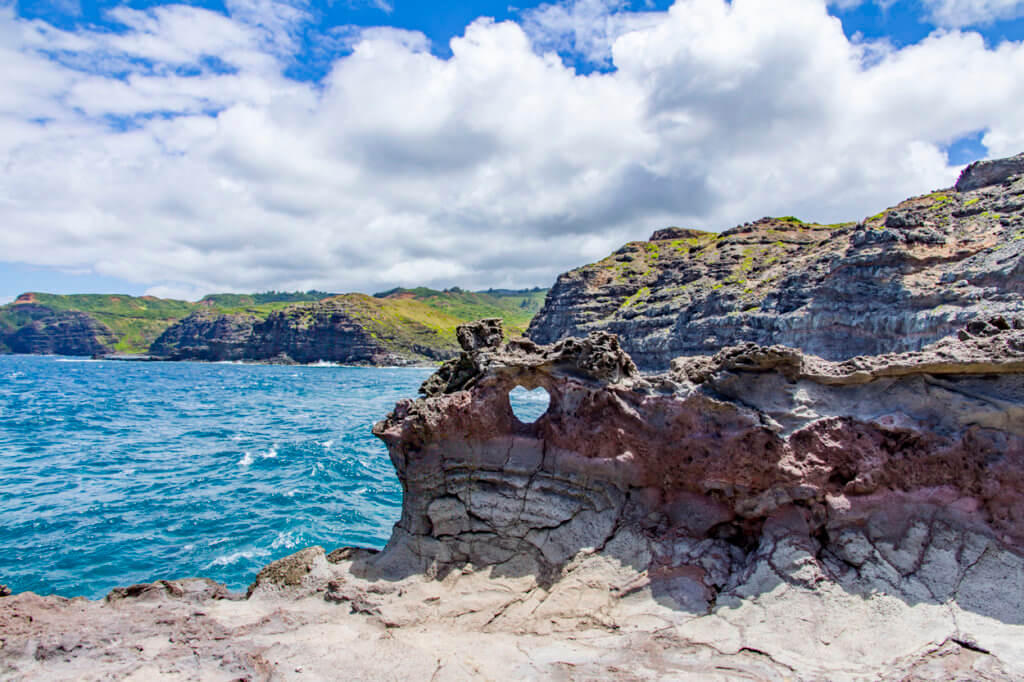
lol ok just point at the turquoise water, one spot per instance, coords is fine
(113, 473)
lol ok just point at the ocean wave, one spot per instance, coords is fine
(209, 463)
(230, 559)
(287, 540)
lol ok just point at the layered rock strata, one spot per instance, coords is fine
(893, 282)
(761, 514)
(56, 332)
(305, 333)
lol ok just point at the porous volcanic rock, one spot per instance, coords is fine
(892, 283)
(881, 498)
(760, 514)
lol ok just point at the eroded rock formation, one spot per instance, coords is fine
(894, 282)
(303, 333)
(45, 331)
(760, 514)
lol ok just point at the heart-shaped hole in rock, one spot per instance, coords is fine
(529, 406)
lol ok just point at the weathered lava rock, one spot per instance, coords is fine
(717, 446)
(730, 476)
(892, 283)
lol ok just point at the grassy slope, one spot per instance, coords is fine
(138, 320)
(405, 318)
(402, 318)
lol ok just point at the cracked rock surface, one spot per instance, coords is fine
(759, 514)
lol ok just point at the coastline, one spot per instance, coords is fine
(129, 357)
(758, 514)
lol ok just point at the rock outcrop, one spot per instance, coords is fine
(206, 335)
(303, 333)
(44, 331)
(892, 283)
(759, 514)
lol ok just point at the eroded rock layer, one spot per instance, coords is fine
(733, 479)
(893, 282)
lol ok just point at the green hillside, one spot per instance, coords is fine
(516, 308)
(401, 318)
(405, 320)
(136, 321)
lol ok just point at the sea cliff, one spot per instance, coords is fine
(761, 513)
(397, 327)
(893, 282)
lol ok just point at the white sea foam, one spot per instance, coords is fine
(286, 540)
(326, 445)
(236, 437)
(76, 360)
(270, 454)
(246, 460)
(230, 559)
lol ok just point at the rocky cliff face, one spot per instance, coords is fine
(52, 332)
(303, 333)
(892, 283)
(875, 497)
(206, 336)
(760, 514)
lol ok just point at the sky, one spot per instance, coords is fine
(177, 149)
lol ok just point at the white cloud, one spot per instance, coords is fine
(973, 12)
(954, 13)
(499, 166)
(584, 27)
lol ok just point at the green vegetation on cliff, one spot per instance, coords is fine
(136, 321)
(404, 321)
(407, 321)
(893, 282)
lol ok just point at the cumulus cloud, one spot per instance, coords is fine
(954, 13)
(177, 153)
(585, 28)
(958, 13)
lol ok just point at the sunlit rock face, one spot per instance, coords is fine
(893, 282)
(733, 479)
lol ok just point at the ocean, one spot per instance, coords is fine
(114, 473)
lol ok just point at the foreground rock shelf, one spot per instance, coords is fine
(760, 514)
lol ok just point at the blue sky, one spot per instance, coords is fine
(179, 149)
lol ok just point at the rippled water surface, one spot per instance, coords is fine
(113, 473)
